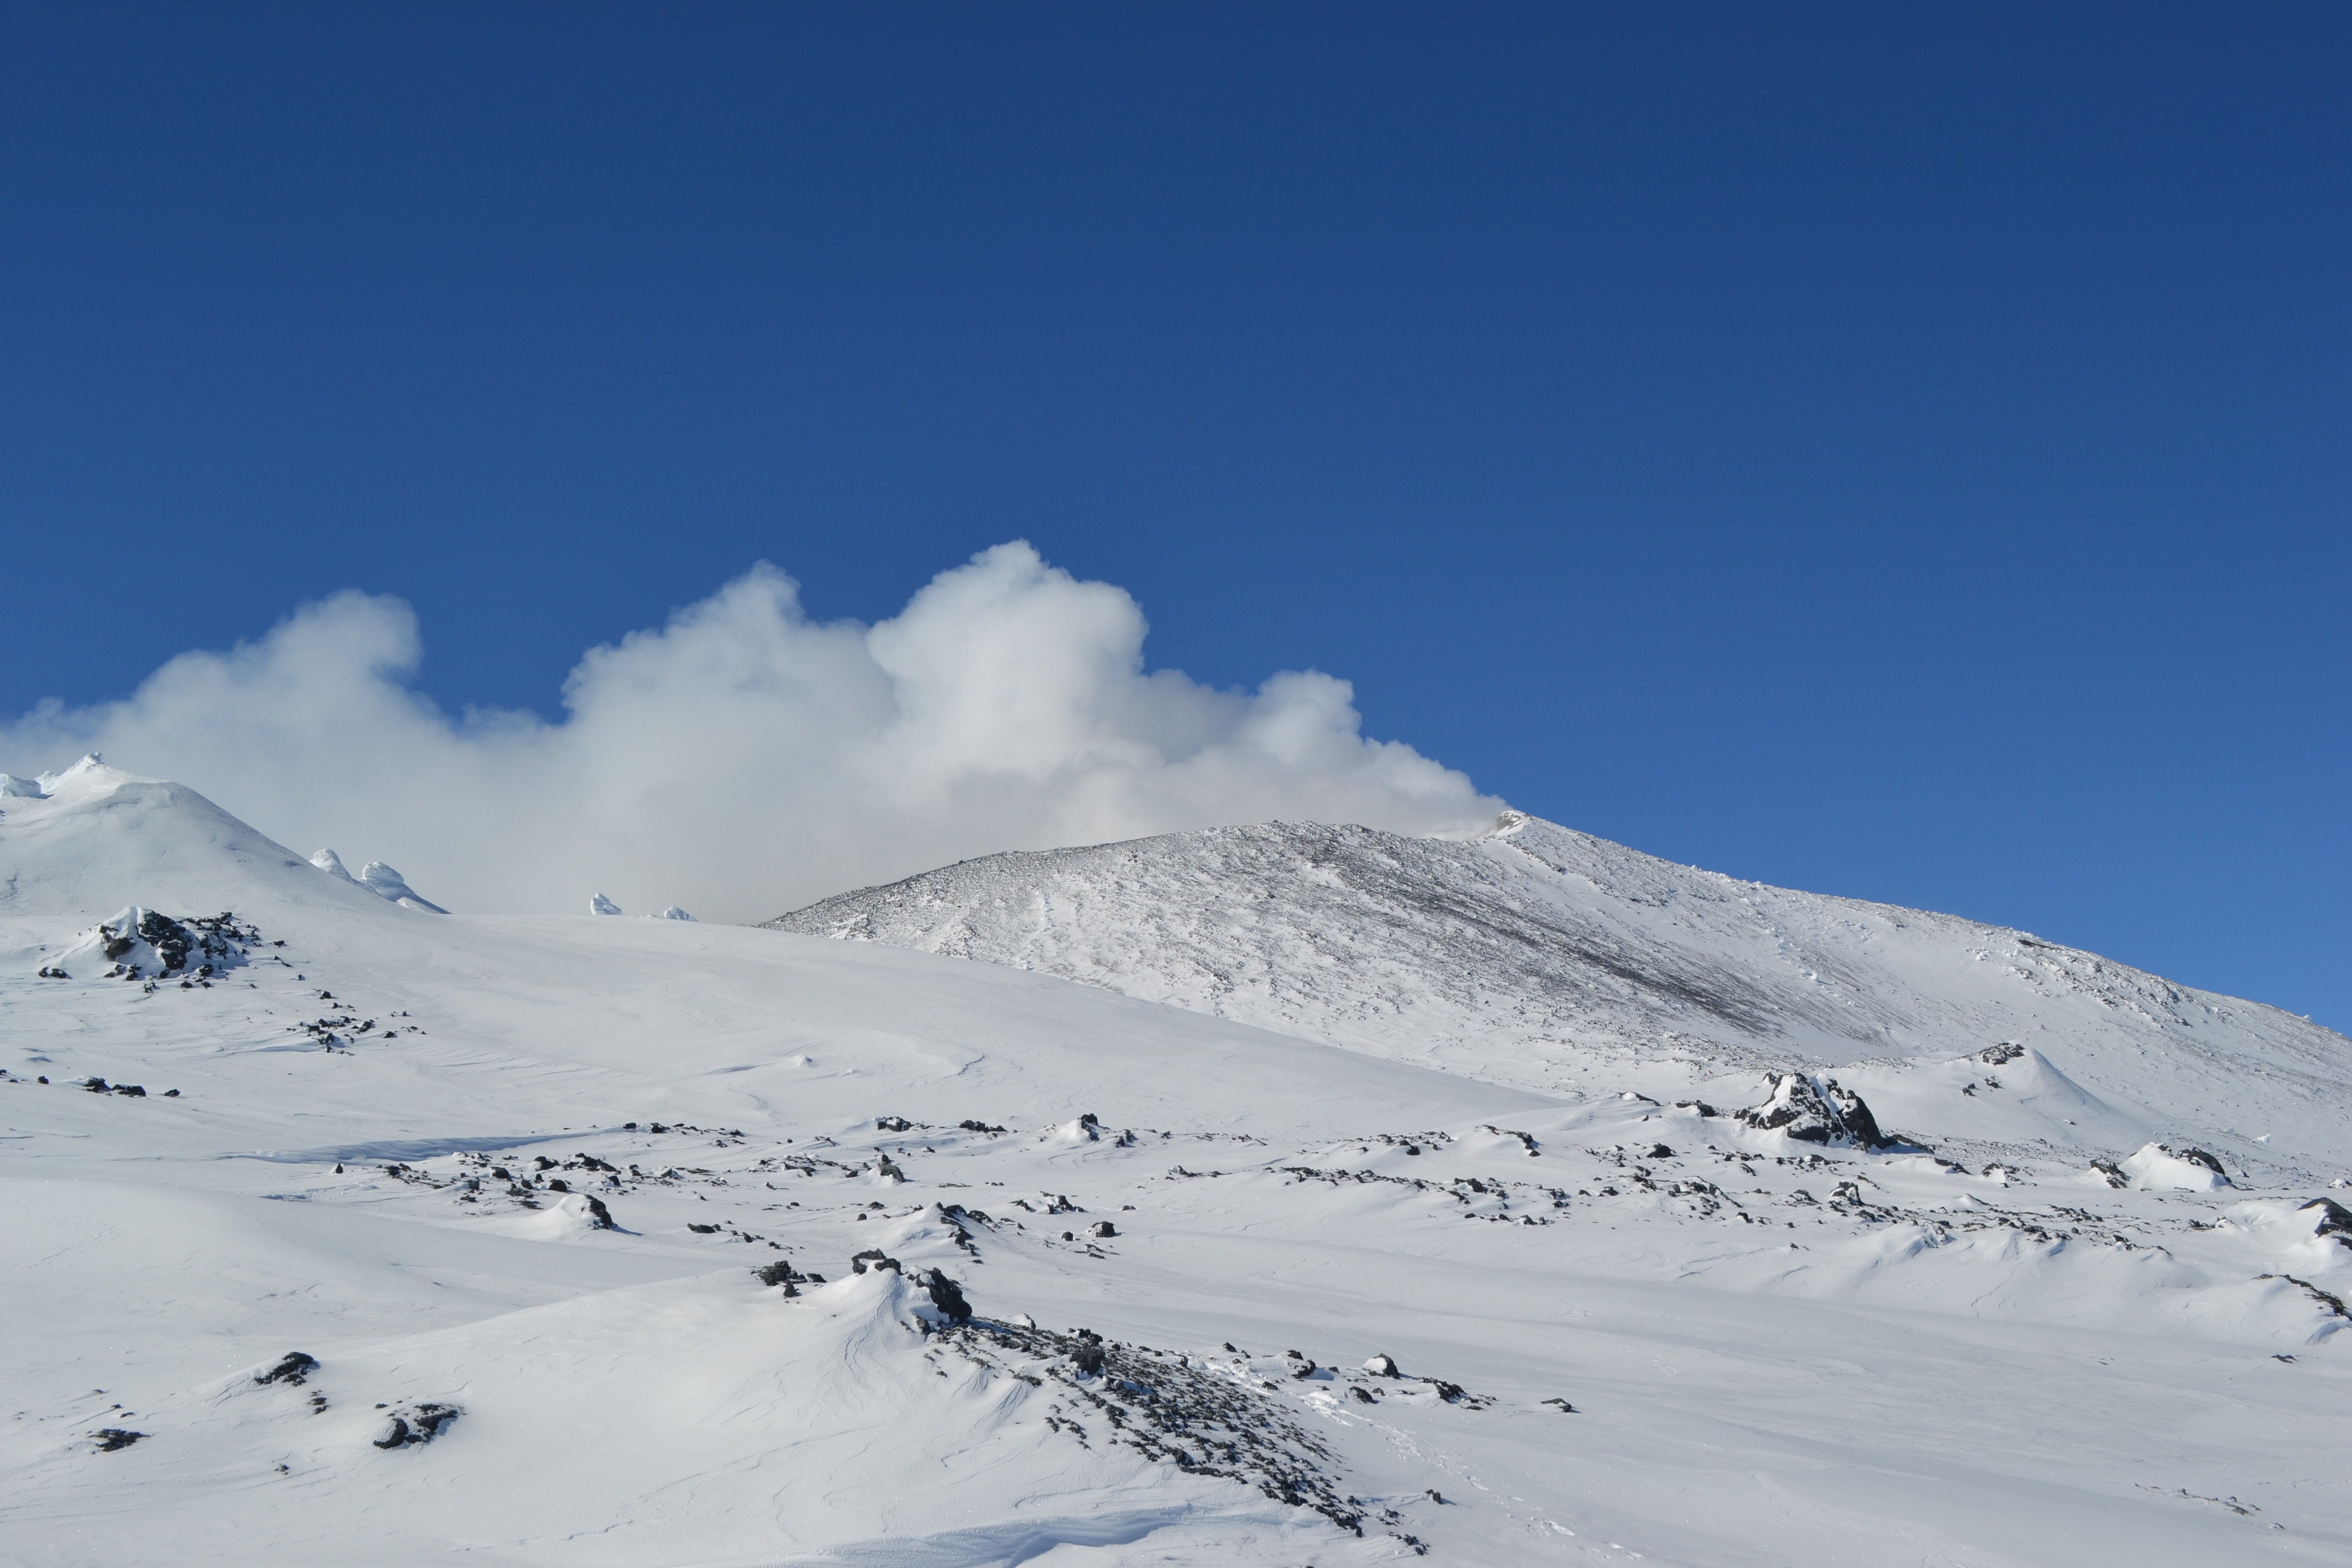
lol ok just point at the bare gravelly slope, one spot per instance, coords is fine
(1548, 959)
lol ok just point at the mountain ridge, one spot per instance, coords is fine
(1554, 960)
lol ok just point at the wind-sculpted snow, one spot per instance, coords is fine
(1546, 958)
(440, 1238)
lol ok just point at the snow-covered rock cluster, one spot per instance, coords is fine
(1816, 1111)
(144, 944)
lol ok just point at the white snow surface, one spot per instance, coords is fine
(1776, 1353)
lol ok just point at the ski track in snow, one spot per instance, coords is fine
(2018, 1336)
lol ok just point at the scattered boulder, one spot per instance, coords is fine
(977, 1127)
(1562, 1405)
(414, 1425)
(1382, 1367)
(785, 1274)
(110, 1439)
(1102, 1230)
(893, 1124)
(599, 1216)
(875, 1257)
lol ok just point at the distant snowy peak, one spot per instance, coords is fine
(598, 904)
(42, 787)
(94, 839)
(378, 878)
(1545, 957)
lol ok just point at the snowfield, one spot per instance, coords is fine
(1277, 1195)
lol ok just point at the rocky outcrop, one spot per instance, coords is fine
(1816, 1111)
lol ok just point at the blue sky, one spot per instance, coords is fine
(1888, 450)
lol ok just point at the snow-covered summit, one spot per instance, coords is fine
(97, 839)
(1551, 959)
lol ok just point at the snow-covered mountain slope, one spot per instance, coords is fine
(432, 1238)
(1548, 959)
(99, 838)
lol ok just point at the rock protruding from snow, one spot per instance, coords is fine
(2161, 1167)
(946, 1295)
(1816, 1111)
(144, 944)
(2330, 1219)
(415, 1424)
(598, 904)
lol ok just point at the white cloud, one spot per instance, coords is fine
(743, 759)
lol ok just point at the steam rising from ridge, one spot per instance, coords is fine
(743, 759)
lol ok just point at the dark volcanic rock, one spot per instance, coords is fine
(1816, 1111)
(2335, 1219)
(292, 1369)
(414, 1426)
(946, 1295)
